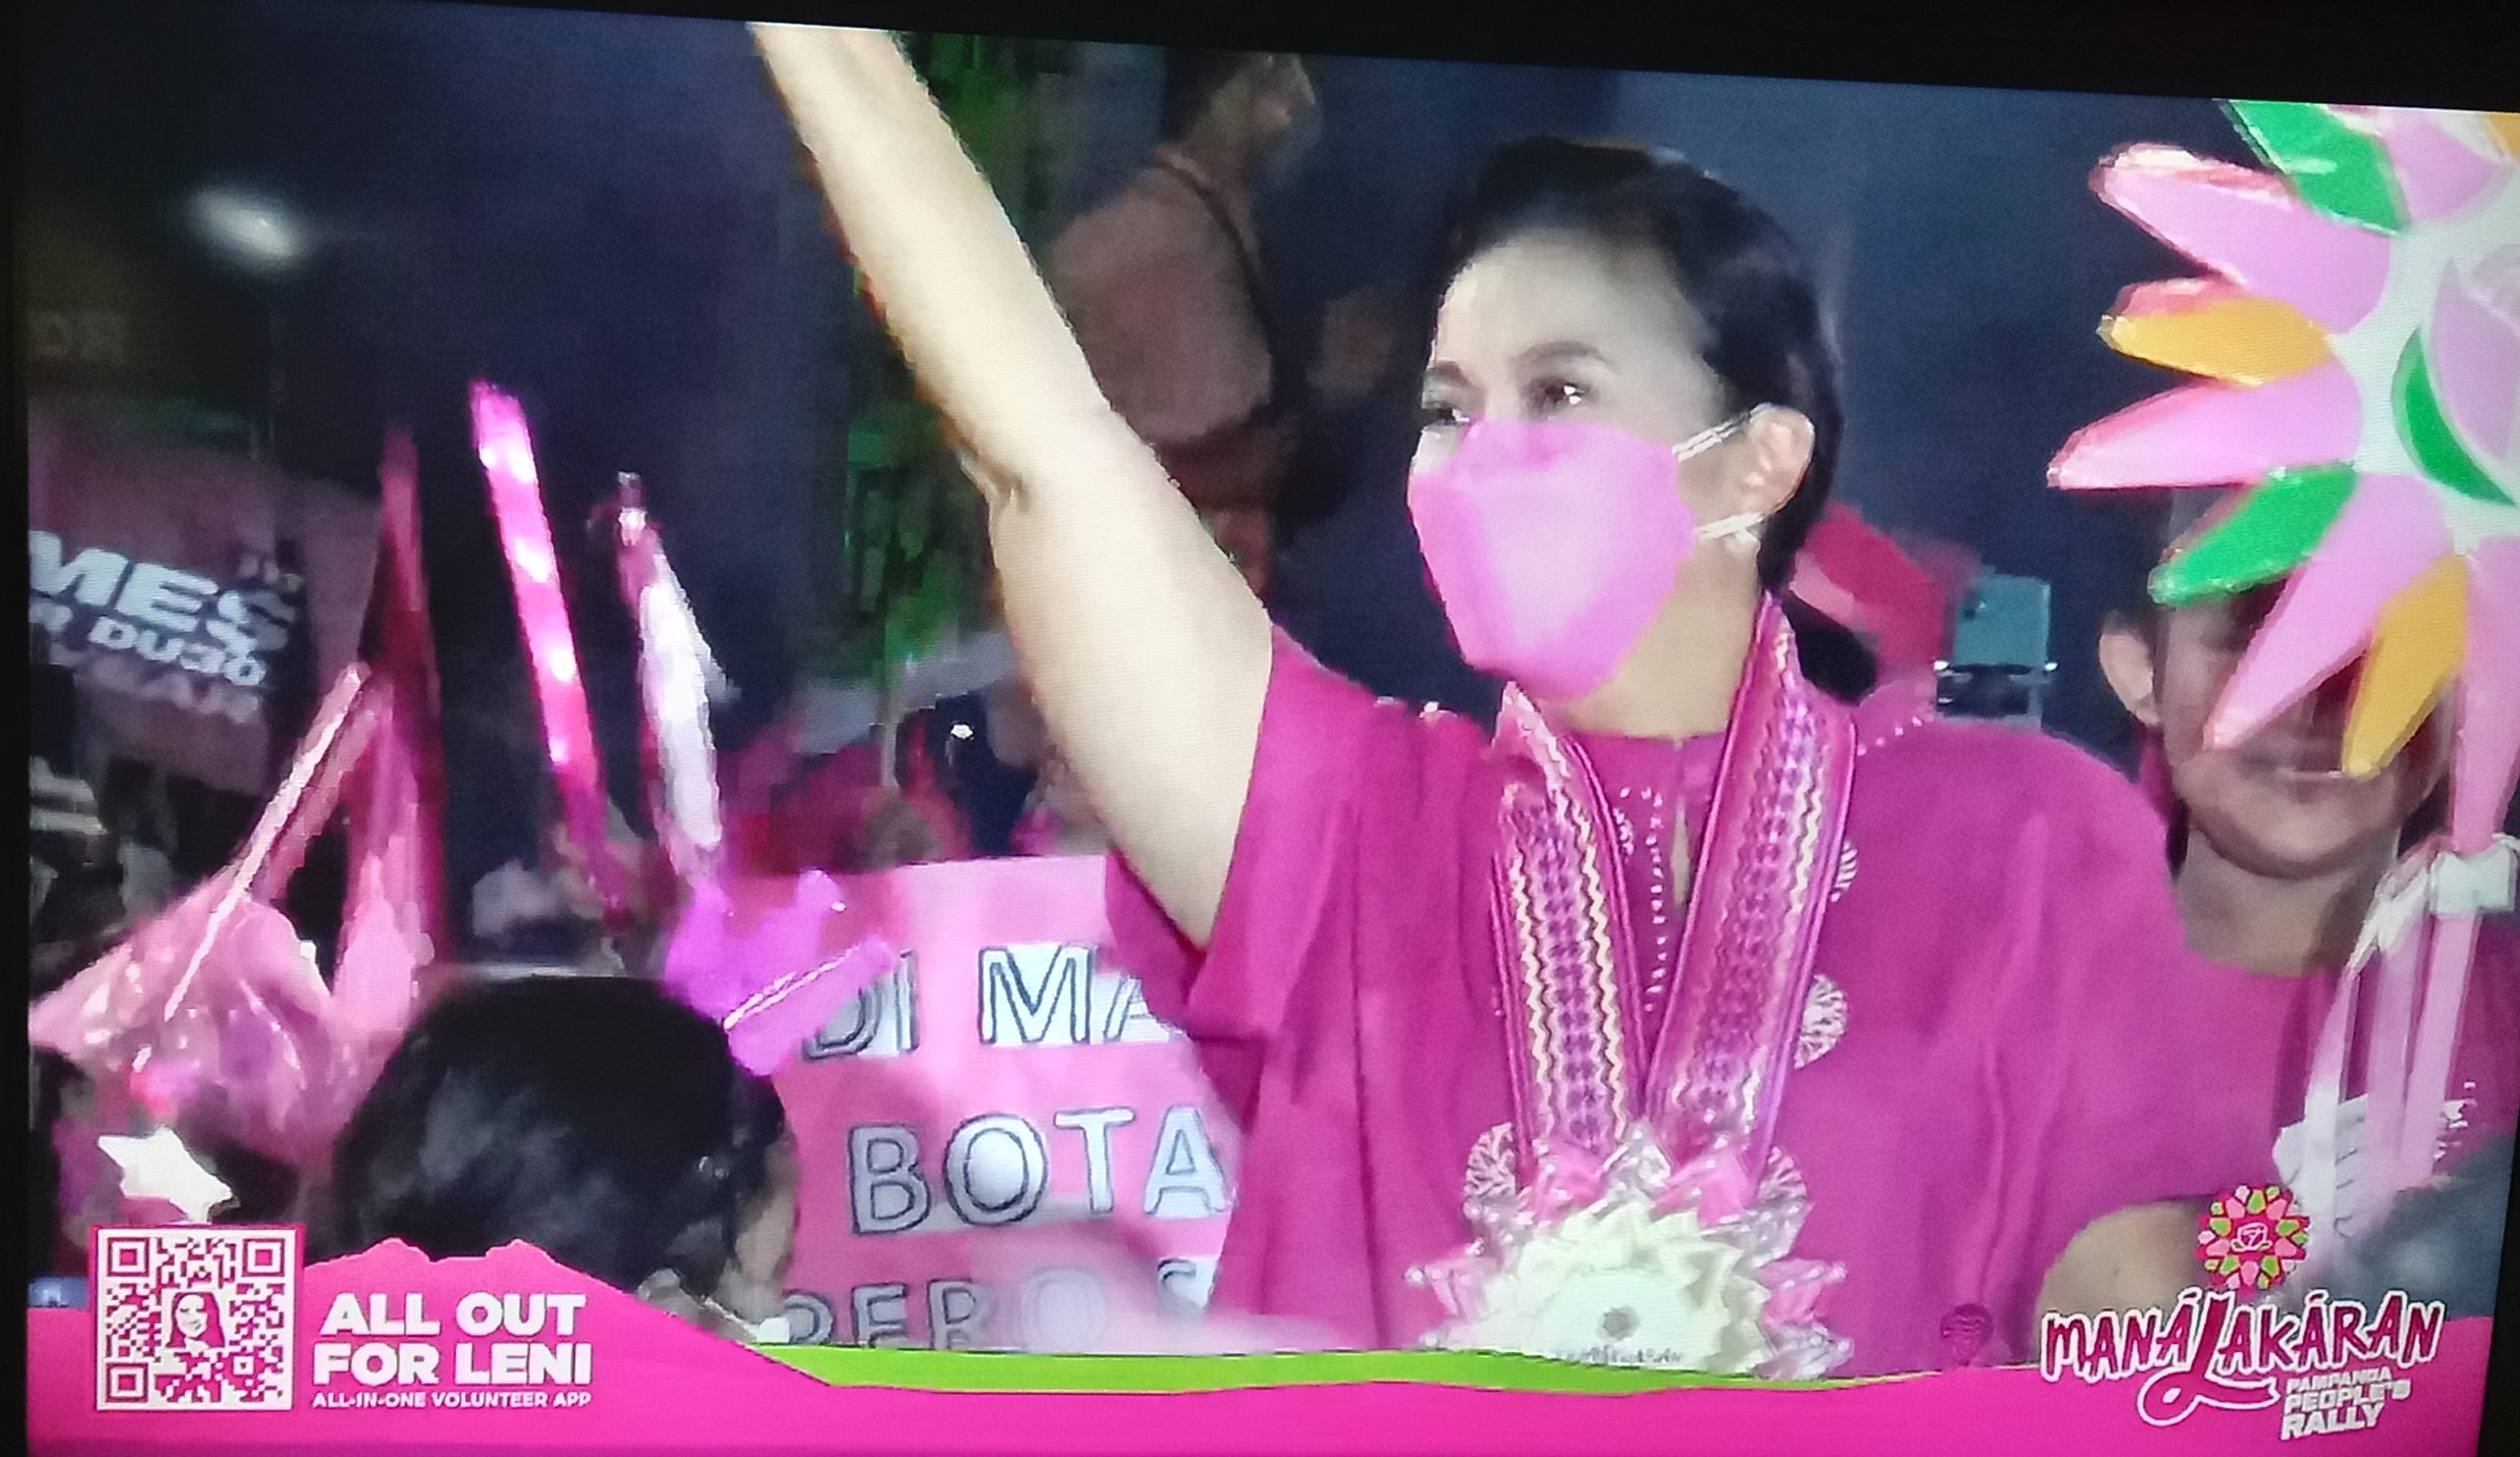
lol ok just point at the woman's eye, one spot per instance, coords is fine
(1437, 415)
(1554, 395)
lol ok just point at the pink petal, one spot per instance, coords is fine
(2488, 766)
(2388, 534)
(2250, 228)
(1795, 1291)
(2211, 433)
(2437, 174)
(2495, 281)
(2475, 354)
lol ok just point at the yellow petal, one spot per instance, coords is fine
(2244, 341)
(2505, 126)
(2416, 650)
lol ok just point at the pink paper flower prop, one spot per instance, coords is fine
(2354, 334)
(2357, 338)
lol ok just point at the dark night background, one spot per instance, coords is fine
(608, 215)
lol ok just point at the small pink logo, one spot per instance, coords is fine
(2252, 1237)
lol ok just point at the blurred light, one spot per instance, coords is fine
(252, 232)
(960, 731)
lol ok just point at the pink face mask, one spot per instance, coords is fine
(1554, 543)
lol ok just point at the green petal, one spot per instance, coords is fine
(2338, 170)
(2272, 532)
(2426, 429)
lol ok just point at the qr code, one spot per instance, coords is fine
(195, 1319)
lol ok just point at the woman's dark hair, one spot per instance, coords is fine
(1762, 332)
(1192, 78)
(594, 1118)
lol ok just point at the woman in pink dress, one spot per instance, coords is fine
(1830, 1012)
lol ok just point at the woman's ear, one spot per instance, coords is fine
(1781, 442)
(2126, 660)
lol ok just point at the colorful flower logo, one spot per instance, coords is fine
(2252, 1237)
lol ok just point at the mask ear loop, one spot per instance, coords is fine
(659, 1287)
(1739, 533)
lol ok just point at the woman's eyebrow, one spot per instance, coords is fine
(1562, 351)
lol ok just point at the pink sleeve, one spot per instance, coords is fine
(2110, 1097)
(1336, 770)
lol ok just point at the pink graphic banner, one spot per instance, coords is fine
(201, 599)
(1000, 1147)
(389, 1352)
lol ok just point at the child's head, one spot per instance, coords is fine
(594, 1118)
(2279, 804)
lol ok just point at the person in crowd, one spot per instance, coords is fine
(597, 1119)
(2441, 1242)
(78, 915)
(915, 818)
(1389, 917)
(978, 778)
(1165, 287)
(2276, 853)
(79, 874)
(549, 912)
(995, 768)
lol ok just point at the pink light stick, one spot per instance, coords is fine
(409, 662)
(525, 539)
(675, 673)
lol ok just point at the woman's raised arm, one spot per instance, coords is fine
(1149, 655)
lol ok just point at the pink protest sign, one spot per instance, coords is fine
(185, 588)
(1002, 1148)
